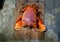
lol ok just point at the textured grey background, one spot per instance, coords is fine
(52, 11)
(52, 17)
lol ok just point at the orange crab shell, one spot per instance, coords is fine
(30, 18)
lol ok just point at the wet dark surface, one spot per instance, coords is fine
(1, 4)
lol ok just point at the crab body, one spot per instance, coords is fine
(30, 19)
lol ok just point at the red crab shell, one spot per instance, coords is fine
(29, 16)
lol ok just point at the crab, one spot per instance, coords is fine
(30, 17)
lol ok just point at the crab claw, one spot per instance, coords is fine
(18, 25)
(42, 28)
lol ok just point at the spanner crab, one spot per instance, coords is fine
(30, 18)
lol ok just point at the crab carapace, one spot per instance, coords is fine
(30, 17)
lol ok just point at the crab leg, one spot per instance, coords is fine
(18, 24)
(41, 25)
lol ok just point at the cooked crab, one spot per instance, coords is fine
(30, 17)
